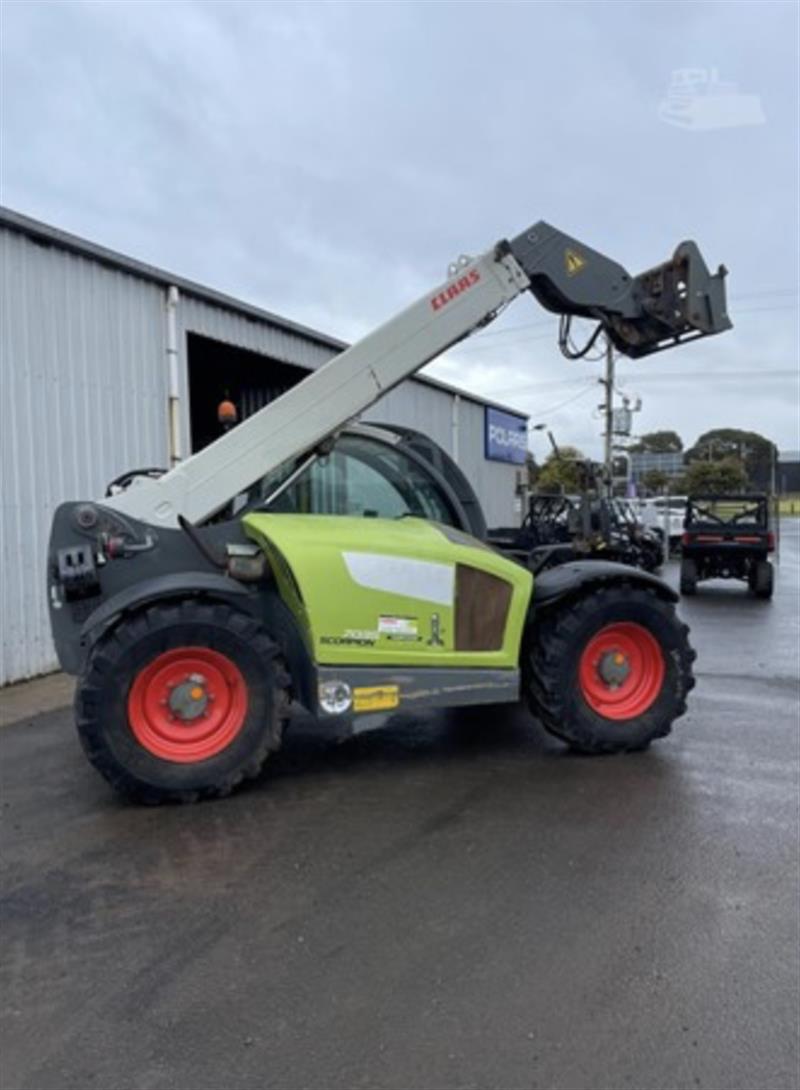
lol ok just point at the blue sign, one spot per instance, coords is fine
(506, 437)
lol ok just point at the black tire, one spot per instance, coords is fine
(762, 579)
(552, 669)
(688, 576)
(102, 710)
(652, 558)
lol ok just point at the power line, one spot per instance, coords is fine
(760, 310)
(747, 376)
(733, 298)
(479, 346)
(561, 404)
(768, 291)
(750, 376)
(578, 380)
(517, 328)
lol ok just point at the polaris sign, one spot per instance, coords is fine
(506, 437)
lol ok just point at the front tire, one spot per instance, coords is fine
(610, 671)
(182, 701)
(688, 576)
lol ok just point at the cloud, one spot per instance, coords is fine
(327, 161)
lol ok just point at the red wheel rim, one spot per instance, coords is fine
(621, 671)
(188, 704)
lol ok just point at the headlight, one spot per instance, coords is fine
(335, 697)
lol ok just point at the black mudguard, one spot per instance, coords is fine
(74, 641)
(189, 584)
(567, 580)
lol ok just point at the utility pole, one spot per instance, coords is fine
(608, 383)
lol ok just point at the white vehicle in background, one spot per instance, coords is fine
(664, 513)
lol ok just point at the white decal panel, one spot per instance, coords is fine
(423, 579)
(398, 628)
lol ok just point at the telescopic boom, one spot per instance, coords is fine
(667, 305)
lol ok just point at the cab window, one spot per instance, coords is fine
(361, 477)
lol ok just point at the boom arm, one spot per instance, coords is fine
(664, 306)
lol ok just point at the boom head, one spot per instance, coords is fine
(676, 301)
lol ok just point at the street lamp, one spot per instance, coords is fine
(543, 427)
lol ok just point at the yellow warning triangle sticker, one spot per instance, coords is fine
(574, 262)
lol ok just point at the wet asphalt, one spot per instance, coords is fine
(453, 901)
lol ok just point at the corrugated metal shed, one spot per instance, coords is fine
(84, 394)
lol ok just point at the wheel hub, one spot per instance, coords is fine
(614, 668)
(189, 699)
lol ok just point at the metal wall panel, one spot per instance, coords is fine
(83, 398)
(430, 410)
(197, 316)
(415, 405)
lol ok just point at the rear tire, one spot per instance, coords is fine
(572, 642)
(688, 576)
(653, 559)
(153, 752)
(762, 579)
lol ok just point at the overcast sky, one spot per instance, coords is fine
(327, 160)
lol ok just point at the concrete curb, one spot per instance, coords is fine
(26, 699)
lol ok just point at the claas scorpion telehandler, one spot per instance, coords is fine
(192, 632)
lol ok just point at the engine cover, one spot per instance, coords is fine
(406, 591)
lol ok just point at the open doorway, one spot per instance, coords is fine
(219, 371)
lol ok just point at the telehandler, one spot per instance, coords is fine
(192, 632)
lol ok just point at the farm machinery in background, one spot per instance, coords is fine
(587, 525)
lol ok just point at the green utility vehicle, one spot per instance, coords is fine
(193, 630)
(728, 537)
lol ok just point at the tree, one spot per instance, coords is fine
(562, 473)
(659, 442)
(533, 470)
(756, 452)
(656, 480)
(726, 475)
